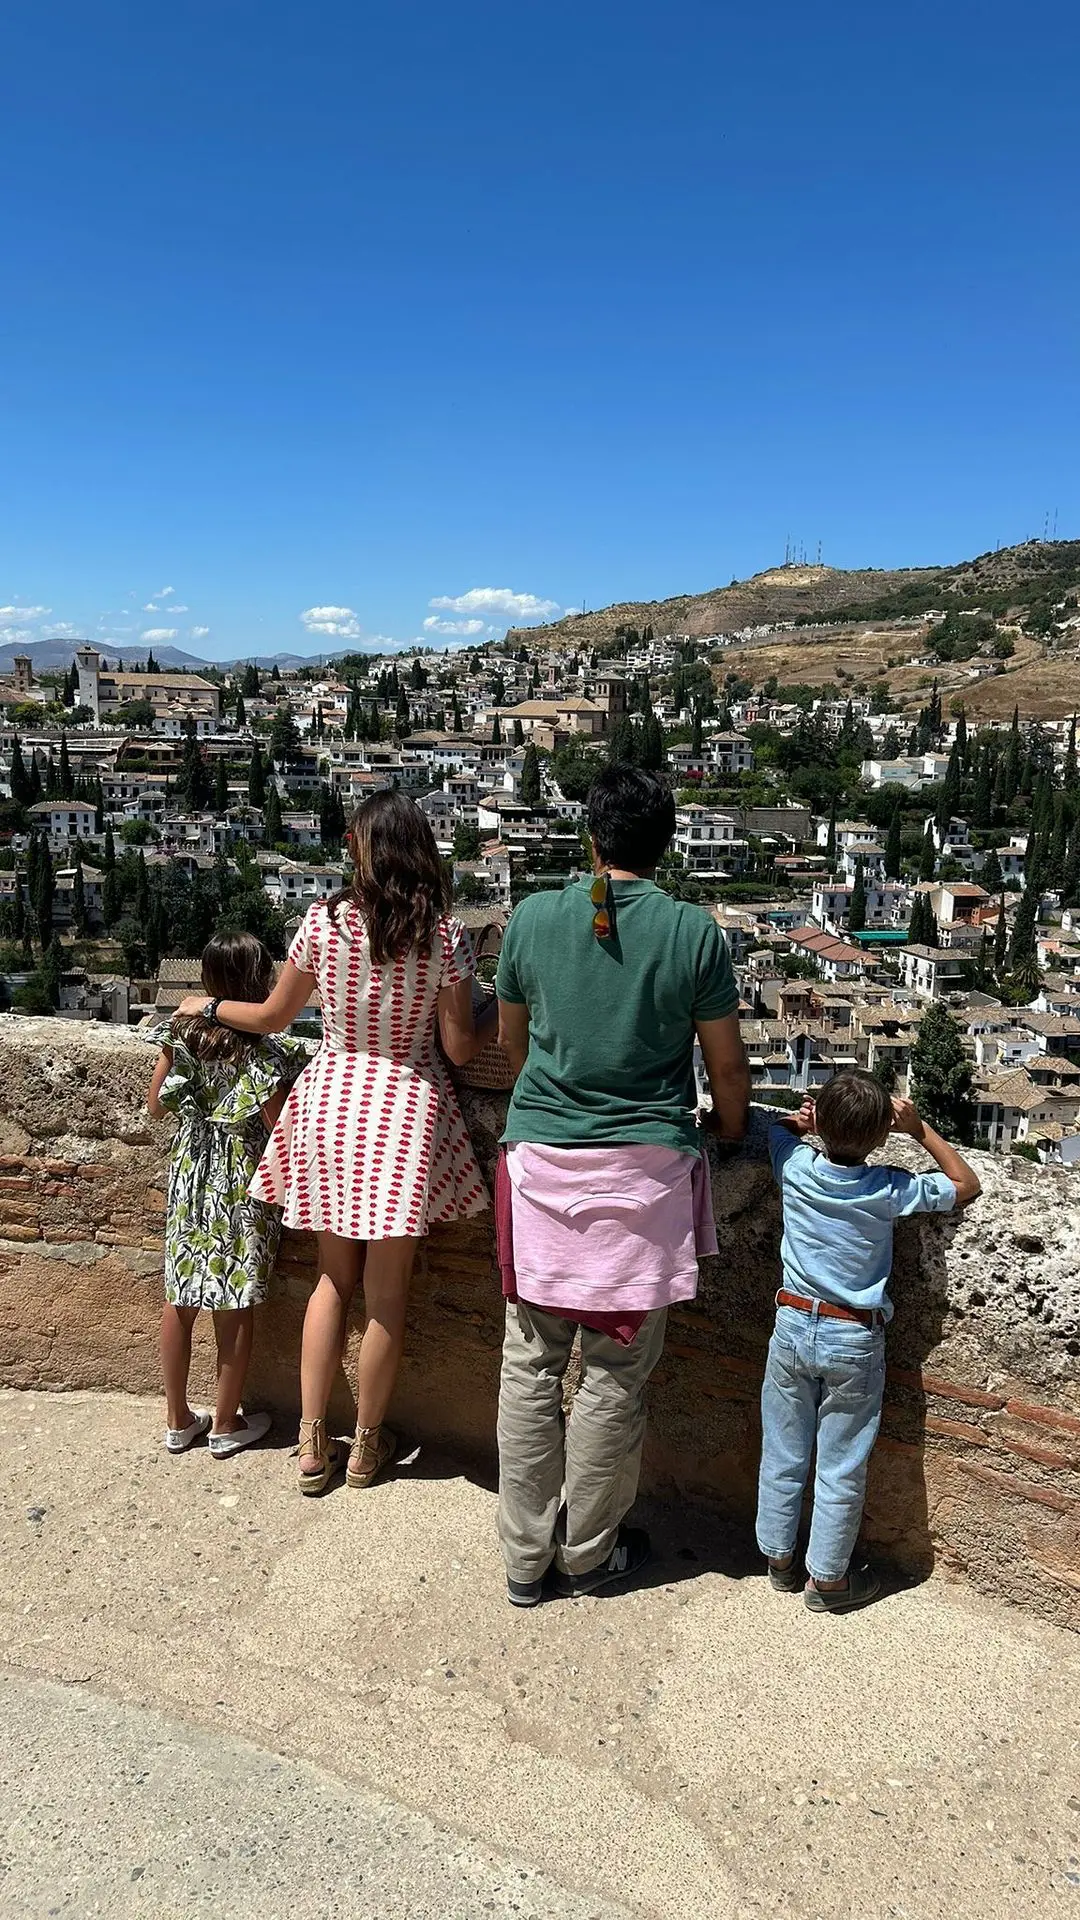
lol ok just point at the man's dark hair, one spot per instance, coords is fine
(853, 1114)
(631, 817)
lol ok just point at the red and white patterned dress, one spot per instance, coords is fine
(371, 1143)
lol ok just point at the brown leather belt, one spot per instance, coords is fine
(866, 1316)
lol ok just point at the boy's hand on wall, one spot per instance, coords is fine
(907, 1118)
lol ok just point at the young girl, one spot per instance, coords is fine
(226, 1092)
(371, 1148)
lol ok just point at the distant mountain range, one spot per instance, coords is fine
(49, 655)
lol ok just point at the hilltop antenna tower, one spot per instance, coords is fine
(819, 553)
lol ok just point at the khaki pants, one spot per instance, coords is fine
(564, 1486)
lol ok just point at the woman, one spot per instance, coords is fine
(603, 989)
(371, 1147)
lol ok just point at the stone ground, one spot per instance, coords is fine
(219, 1699)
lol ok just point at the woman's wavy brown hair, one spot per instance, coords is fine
(399, 883)
(235, 966)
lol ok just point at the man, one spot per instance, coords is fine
(603, 989)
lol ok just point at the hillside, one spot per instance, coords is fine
(1012, 579)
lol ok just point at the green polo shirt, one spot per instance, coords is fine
(611, 1022)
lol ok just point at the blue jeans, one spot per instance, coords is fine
(824, 1381)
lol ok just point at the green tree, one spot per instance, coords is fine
(194, 779)
(249, 685)
(44, 894)
(884, 1071)
(221, 784)
(1001, 940)
(519, 734)
(941, 1075)
(990, 875)
(284, 733)
(65, 778)
(893, 846)
(1022, 947)
(257, 777)
(78, 900)
(927, 856)
(129, 938)
(19, 779)
(496, 732)
(241, 711)
(273, 830)
(467, 841)
(530, 777)
(622, 744)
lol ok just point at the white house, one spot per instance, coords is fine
(708, 841)
(932, 972)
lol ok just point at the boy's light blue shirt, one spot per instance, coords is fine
(838, 1221)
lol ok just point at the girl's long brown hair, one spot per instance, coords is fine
(399, 884)
(235, 966)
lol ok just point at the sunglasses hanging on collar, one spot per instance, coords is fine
(603, 900)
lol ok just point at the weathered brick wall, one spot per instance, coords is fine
(978, 1467)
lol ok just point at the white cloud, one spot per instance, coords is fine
(164, 592)
(61, 630)
(199, 633)
(23, 613)
(496, 600)
(339, 622)
(434, 625)
(14, 636)
(154, 634)
(151, 607)
(567, 611)
(177, 607)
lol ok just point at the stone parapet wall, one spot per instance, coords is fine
(978, 1466)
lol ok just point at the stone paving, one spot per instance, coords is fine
(389, 1737)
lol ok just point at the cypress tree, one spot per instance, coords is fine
(519, 734)
(256, 777)
(530, 777)
(66, 782)
(1059, 840)
(982, 811)
(830, 843)
(941, 1075)
(221, 785)
(44, 895)
(1022, 945)
(374, 731)
(19, 779)
(496, 732)
(241, 711)
(78, 899)
(893, 847)
(142, 890)
(857, 907)
(99, 806)
(927, 856)
(273, 832)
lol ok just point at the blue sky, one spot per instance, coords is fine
(429, 313)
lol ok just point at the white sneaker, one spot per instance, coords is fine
(179, 1439)
(224, 1444)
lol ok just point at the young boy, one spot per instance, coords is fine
(825, 1373)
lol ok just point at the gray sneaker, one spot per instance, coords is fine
(630, 1553)
(862, 1586)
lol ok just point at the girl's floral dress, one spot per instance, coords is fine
(220, 1244)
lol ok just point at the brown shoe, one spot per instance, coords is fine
(372, 1450)
(326, 1453)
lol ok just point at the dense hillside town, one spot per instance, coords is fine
(899, 888)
